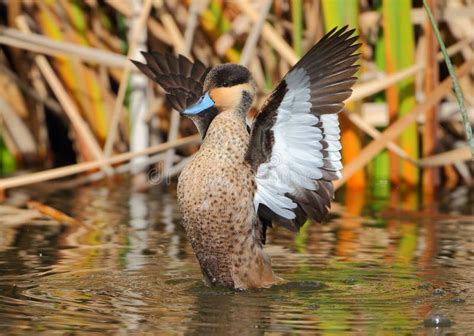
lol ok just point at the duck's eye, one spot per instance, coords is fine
(225, 84)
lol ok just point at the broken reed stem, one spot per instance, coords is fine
(118, 107)
(398, 126)
(56, 173)
(254, 35)
(452, 74)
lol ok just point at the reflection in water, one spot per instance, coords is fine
(167, 214)
(138, 238)
(376, 266)
(222, 313)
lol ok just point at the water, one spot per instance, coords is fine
(376, 267)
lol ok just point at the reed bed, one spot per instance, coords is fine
(73, 106)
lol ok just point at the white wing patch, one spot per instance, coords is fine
(298, 154)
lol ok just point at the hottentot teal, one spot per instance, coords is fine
(276, 169)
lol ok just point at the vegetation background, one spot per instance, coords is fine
(70, 97)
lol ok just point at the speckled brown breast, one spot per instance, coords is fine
(215, 194)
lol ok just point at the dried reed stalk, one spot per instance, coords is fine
(368, 89)
(123, 7)
(121, 169)
(430, 176)
(44, 45)
(83, 131)
(173, 30)
(50, 103)
(19, 132)
(139, 102)
(118, 107)
(446, 158)
(452, 74)
(180, 46)
(365, 90)
(56, 173)
(55, 214)
(154, 26)
(194, 12)
(254, 35)
(375, 133)
(361, 91)
(399, 125)
(270, 34)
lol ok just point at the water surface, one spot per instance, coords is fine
(375, 266)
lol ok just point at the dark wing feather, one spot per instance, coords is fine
(294, 175)
(182, 79)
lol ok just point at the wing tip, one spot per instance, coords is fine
(342, 34)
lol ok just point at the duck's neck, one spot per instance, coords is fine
(203, 120)
(227, 135)
(236, 108)
(245, 104)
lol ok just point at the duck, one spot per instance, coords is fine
(249, 174)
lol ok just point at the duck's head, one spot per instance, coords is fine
(227, 88)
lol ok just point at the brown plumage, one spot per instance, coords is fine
(230, 228)
(239, 183)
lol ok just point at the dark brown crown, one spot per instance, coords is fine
(226, 75)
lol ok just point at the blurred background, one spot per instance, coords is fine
(69, 95)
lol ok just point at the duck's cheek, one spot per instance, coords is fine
(226, 97)
(229, 98)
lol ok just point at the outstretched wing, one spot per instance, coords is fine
(294, 142)
(182, 79)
